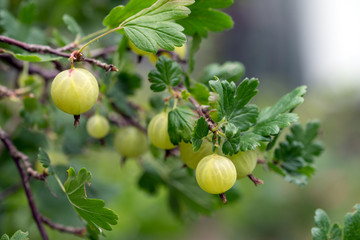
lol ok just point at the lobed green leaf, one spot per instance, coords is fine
(153, 27)
(201, 130)
(230, 103)
(167, 74)
(204, 17)
(91, 210)
(180, 128)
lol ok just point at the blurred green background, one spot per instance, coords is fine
(275, 43)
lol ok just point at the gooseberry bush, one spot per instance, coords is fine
(196, 136)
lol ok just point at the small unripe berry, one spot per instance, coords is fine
(97, 126)
(130, 142)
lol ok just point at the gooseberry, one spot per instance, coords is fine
(158, 131)
(130, 142)
(215, 174)
(74, 91)
(97, 126)
(191, 158)
(245, 162)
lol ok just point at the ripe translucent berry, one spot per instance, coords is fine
(191, 158)
(74, 91)
(245, 162)
(215, 174)
(158, 131)
(97, 126)
(130, 142)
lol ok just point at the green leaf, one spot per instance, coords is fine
(45, 161)
(13, 28)
(153, 28)
(297, 153)
(33, 57)
(250, 141)
(322, 220)
(352, 224)
(323, 225)
(120, 13)
(118, 92)
(201, 93)
(128, 83)
(180, 128)
(27, 12)
(18, 235)
(194, 47)
(272, 119)
(205, 18)
(231, 143)
(182, 187)
(201, 130)
(72, 25)
(230, 71)
(91, 210)
(336, 232)
(167, 74)
(230, 103)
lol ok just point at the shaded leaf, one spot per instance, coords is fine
(201, 130)
(180, 126)
(230, 71)
(167, 74)
(91, 210)
(272, 119)
(72, 25)
(352, 224)
(45, 161)
(204, 17)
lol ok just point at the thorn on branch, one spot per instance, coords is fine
(255, 180)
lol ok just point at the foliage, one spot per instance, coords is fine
(18, 235)
(325, 231)
(218, 106)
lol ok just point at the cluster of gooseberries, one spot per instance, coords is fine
(215, 173)
(76, 90)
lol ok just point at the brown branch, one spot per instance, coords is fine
(79, 231)
(199, 109)
(127, 119)
(43, 49)
(18, 157)
(255, 180)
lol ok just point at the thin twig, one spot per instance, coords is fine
(79, 231)
(43, 49)
(129, 120)
(18, 156)
(255, 180)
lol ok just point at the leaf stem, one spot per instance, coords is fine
(98, 37)
(60, 183)
(91, 35)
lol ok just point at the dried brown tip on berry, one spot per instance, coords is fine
(223, 197)
(76, 120)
